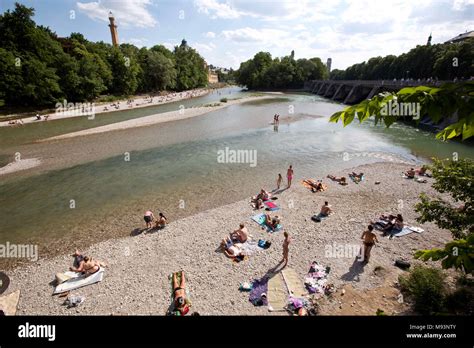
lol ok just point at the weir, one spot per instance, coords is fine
(355, 91)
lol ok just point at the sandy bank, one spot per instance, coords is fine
(136, 279)
(156, 118)
(20, 165)
(138, 102)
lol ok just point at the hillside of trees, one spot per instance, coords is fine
(38, 68)
(442, 61)
(263, 72)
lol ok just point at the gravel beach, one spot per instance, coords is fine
(136, 278)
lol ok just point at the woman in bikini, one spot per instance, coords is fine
(162, 221)
(179, 292)
(289, 175)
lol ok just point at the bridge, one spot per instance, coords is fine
(355, 91)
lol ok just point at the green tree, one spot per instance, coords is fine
(190, 67)
(457, 215)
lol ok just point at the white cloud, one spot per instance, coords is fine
(216, 9)
(248, 34)
(130, 13)
(203, 47)
(210, 35)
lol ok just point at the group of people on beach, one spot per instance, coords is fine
(149, 218)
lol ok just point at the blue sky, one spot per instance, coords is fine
(228, 32)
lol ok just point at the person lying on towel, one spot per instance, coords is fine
(272, 223)
(315, 185)
(87, 266)
(394, 225)
(341, 180)
(231, 249)
(356, 177)
(181, 303)
(240, 235)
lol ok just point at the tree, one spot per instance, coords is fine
(450, 101)
(158, 71)
(190, 67)
(457, 179)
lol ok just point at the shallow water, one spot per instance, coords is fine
(174, 167)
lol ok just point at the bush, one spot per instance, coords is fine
(461, 301)
(224, 100)
(426, 286)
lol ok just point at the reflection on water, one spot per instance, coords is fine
(187, 169)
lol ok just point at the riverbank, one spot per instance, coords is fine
(139, 101)
(180, 114)
(136, 281)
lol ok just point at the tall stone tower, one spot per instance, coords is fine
(113, 30)
(328, 64)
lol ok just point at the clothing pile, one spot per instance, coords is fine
(316, 280)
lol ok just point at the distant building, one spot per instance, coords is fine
(328, 64)
(428, 43)
(462, 37)
(212, 76)
(113, 30)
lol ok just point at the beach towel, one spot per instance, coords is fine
(319, 217)
(316, 279)
(260, 219)
(250, 247)
(259, 287)
(277, 294)
(271, 206)
(308, 186)
(9, 303)
(79, 282)
(293, 283)
(406, 230)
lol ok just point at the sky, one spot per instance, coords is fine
(229, 32)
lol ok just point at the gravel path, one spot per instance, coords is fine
(136, 281)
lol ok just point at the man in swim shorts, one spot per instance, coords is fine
(369, 238)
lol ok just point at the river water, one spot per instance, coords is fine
(173, 167)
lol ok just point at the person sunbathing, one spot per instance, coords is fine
(316, 186)
(422, 171)
(356, 177)
(181, 303)
(326, 209)
(272, 223)
(230, 249)
(341, 180)
(410, 173)
(240, 235)
(87, 266)
(395, 224)
(161, 221)
(257, 201)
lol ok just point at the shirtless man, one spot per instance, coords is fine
(240, 235)
(87, 266)
(326, 209)
(369, 239)
(180, 301)
(410, 173)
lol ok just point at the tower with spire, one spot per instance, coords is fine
(113, 29)
(429, 40)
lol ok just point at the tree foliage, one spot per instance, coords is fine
(38, 68)
(457, 179)
(263, 72)
(443, 61)
(452, 101)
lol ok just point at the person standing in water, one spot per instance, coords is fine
(279, 180)
(149, 217)
(286, 248)
(289, 175)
